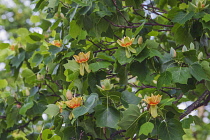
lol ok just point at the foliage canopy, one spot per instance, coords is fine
(107, 69)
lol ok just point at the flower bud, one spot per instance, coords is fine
(18, 105)
(105, 85)
(39, 76)
(140, 40)
(200, 56)
(192, 46)
(69, 95)
(173, 52)
(184, 49)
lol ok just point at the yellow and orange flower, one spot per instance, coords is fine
(57, 43)
(74, 102)
(60, 105)
(153, 101)
(126, 42)
(82, 59)
(105, 85)
(12, 47)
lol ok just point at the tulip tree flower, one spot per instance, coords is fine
(56, 43)
(74, 102)
(105, 85)
(126, 42)
(199, 5)
(60, 105)
(12, 47)
(82, 59)
(153, 101)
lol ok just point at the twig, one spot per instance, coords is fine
(178, 98)
(105, 50)
(124, 26)
(65, 5)
(95, 44)
(2, 117)
(23, 125)
(115, 4)
(205, 97)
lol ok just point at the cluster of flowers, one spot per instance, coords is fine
(82, 60)
(75, 102)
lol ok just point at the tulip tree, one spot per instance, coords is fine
(107, 69)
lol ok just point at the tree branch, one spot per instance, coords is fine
(124, 26)
(2, 117)
(23, 125)
(205, 97)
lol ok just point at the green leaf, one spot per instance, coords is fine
(45, 24)
(25, 107)
(164, 79)
(46, 134)
(89, 104)
(3, 83)
(129, 2)
(99, 65)
(121, 57)
(12, 117)
(4, 45)
(146, 128)
(187, 122)
(206, 68)
(165, 102)
(54, 49)
(180, 74)
(171, 130)
(73, 11)
(55, 137)
(22, 32)
(183, 36)
(75, 30)
(17, 60)
(145, 53)
(154, 52)
(81, 2)
(197, 72)
(206, 17)
(52, 110)
(104, 56)
(130, 120)
(72, 65)
(37, 59)
(36, 36)
(34, 19)
(182, 17)
(152, 44)
(106, 116)
(55, 25)
(122, 73)
(88, 126)
(53, 3)
(129, 98)
(153, 33)
(183, 6)
(138, 30)
(140, 70)
(103, 13)
(29, 76)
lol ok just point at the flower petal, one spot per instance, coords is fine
(82, 67)
(153, 111)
